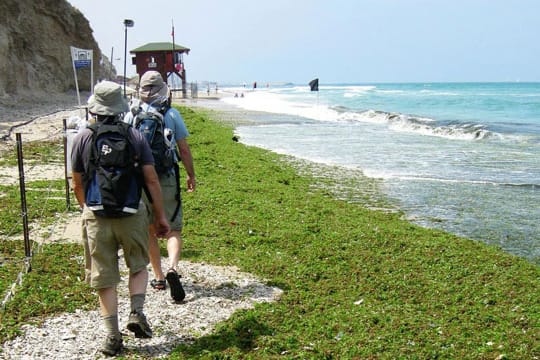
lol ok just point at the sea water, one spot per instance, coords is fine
(462, 157)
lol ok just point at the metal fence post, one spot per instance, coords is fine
(68, 202)
(24, 210)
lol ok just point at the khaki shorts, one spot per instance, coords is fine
(103, 237)
(169, 188)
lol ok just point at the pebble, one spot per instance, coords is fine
(213, 294)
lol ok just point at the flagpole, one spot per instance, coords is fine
(173, 51)
(317, 106)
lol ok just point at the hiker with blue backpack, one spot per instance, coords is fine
(166, 132)
(111, 164)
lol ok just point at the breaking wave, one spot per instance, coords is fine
(420, 125)
(275, 101)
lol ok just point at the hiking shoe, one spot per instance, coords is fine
(177, 291)
(112, 345)
(137, 324)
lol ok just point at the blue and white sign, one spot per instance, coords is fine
(81, 57)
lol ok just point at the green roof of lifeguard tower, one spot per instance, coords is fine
(160, 46)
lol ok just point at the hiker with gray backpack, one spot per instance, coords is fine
(166, 133)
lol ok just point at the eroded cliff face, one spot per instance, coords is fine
(35, 40)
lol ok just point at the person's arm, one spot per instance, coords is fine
(187, 161)
(152, 184)
(77, 167)
(78, 188)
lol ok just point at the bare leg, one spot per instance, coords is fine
(155, 255)
(137, 282)
(174, 248)
(108, 302)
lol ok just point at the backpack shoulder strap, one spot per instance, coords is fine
(164, 109)
(123, 127)
(93, 127)
(93, 151)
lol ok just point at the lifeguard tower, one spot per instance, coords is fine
(163, 57)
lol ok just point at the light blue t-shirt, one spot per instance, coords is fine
(173, 120)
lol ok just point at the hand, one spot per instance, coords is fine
(190, 184)
(162, 227)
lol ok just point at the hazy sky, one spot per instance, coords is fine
(354, 41)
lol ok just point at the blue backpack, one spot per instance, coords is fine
(162, 143)
(114, 185)
(152, 125)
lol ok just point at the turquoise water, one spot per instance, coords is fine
(462, 157)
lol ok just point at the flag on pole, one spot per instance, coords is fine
(314, 84)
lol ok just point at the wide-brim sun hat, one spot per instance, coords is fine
(107, 99)
(153, 88)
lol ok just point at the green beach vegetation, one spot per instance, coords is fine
(358, 283)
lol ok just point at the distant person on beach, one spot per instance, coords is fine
(155, 96)
(102, 235)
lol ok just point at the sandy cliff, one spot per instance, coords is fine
(35, 40)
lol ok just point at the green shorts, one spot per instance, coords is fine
(103, 237)
(169, 190)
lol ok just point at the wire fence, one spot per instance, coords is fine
(15, 264)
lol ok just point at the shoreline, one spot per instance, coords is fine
(353, 186)
(425, 205)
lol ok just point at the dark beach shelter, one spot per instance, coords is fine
(163, 57)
